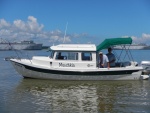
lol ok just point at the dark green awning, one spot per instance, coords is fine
(113, 41)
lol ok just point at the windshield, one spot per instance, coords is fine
(51, 54)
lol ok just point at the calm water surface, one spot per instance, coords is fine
(18, 95)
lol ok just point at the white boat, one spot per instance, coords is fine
(77, 62)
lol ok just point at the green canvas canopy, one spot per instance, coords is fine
(113, 41)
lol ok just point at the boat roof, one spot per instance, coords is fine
(113, 41)
(74, 47)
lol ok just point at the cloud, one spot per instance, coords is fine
(31, 30)
(4, 24)
(146, 36)
(31, 25)
(143, 39)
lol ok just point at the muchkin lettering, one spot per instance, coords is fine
(66, 65)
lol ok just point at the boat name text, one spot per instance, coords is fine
(66, 65)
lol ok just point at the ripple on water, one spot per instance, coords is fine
(77, 97)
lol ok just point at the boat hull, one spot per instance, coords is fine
(42, 73)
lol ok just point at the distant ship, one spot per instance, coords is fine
(23, 45)
(133, 46)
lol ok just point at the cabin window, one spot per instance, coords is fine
(67, 56)
(51, 54)
(87, 56)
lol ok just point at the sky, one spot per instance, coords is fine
(79, 21)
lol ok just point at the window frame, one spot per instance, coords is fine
(66, 57)
(85, 57)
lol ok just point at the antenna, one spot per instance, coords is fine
(65, 33)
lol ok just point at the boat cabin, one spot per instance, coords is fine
(74, 56)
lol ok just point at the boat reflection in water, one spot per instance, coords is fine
(81, 96)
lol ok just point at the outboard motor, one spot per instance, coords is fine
(146, 66)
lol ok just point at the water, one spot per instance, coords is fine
(18, 95)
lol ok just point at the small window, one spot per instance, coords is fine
(72, 56)
(51, 54)
(67, 56)
(87, 56)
